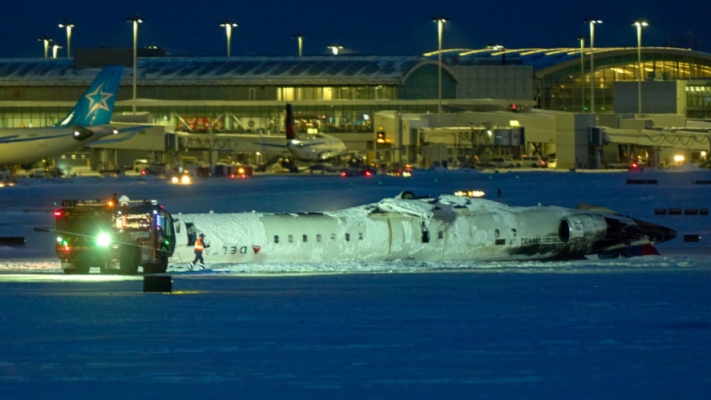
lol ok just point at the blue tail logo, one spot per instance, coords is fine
(96, 105)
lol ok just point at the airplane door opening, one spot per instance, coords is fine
(192, 233)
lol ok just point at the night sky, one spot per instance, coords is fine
(362, 27)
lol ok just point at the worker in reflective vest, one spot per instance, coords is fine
(199, 247)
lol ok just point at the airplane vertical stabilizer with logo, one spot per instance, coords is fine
(290, 123)
(96, 105)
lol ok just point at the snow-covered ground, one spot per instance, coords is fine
(635, 328)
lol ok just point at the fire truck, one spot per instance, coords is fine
(116, 238)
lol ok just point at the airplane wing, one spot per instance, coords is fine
(271, 145)
(134, 129)
(131, 130)
(591, 207)
(309, 144)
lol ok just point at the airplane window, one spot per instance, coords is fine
(496, 233)
(276, 239)
(348, 237)
(333, 236)
(305, 238)
(513, 231)
(318, 238)
(440, 235)
(291, 238)
(360, 236)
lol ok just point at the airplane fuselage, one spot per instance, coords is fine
(86, 122)
(28, 145)
(402, 230)
(319, 147)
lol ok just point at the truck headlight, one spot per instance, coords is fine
(103, 240)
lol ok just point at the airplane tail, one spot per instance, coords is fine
(290, 124)
(96, 105)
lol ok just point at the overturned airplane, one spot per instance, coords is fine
(446, 228)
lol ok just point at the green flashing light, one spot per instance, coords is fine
(602, 108)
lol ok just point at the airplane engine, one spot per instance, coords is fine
(81, 133)
(582, 228)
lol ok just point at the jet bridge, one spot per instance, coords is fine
(654, 141)
(681, 138)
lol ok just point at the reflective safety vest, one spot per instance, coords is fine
(198, 245)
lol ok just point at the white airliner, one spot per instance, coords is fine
(447, 228)
(314, 148)
(87, 122)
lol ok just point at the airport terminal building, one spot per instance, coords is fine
(217, 108)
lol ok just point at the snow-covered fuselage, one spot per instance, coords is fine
(447, 228)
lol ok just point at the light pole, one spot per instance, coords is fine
(55, 48)
(135, 20)
(581, 38)
(228, 25)
(300, 36)
(440, 20)
(68, 25)
(334, 48)
(498, 47)
(47, 40)
(639, 25)
(592, 23)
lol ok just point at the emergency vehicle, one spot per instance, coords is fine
(116, 238)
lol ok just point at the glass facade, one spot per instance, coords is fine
(326, 117)
(422, 84)
(698, 100)
(226, 104)
(379, 92)
(31, 116)
(267, 119)
(264, 118)
(565, 89)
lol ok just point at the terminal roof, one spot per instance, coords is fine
(321, 70)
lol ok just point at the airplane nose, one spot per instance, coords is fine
(656, 233)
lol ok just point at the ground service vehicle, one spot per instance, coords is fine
(530, 162)
(503, 162)
(116, 238)
(140, 164)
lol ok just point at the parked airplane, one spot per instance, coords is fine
(87, 122)
(447, 228)
(314, 148)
